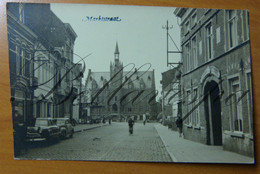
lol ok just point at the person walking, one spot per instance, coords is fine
(131, 126)
(179, 125)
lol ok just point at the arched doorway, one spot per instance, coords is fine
(213, 113)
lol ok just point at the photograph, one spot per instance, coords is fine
(128, 83)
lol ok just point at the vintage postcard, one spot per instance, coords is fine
(130, 83)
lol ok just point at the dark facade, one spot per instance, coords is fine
(216, 78)
(121, 94)
(21, 42)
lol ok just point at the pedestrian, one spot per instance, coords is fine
(179, 125)
(131, 126)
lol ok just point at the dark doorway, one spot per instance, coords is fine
(114, 108)
(213, 113)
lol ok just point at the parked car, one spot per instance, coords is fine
(66, 128)
(44, 129)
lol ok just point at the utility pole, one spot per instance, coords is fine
(167, 40)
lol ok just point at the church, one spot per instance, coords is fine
(119, 94)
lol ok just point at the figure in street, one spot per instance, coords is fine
(179, 125)
(131, 126)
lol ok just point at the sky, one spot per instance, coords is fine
(139, 33)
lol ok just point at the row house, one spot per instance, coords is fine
(216, 81)
(171, 106)
(41, 61)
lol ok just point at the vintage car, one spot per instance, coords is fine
(66, 128)
(44, 129)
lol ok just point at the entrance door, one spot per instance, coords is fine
(213, 113)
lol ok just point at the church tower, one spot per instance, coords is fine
(116, 53)
(116, 72)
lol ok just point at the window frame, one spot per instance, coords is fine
(235, 112)
(209, 56)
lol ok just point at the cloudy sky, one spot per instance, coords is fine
(139, 33)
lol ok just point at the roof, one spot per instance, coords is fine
(141, 77)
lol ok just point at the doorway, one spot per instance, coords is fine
(212, 107)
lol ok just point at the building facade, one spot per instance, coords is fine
(216, 78)
(41, 62)
(171, 105)
(21, 42)
(121, 94)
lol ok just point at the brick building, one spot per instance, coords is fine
(216, 77)
(121, 94)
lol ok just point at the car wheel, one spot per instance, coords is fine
(63, 135)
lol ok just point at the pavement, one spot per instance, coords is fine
(182, 150)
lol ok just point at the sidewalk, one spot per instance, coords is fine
(84, 127)
(182, 150)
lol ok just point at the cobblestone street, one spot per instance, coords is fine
(107, 143)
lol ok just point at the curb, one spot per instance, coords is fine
(167, 147)
(85, 129)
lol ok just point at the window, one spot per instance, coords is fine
(21, 13)
(187, 47)
(245, 25)
(187, 27)
(189, 119)
(194, 53)
(193, 20)
(196, 111)
(235, 107)
(21, 62)
(249, 101)
(209, 42)
(232, 28)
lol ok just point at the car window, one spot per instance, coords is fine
(41, 122)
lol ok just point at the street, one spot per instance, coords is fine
(107, 143)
